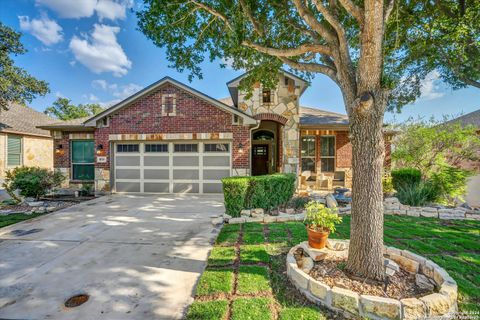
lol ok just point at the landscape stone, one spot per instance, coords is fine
(449, 289)
(299, 278)
(380, 308)
(245, 213)
(36, 203)
(423, 282)
(406, 263)
(410, 255)
(269, 219)
(315, 254)
(217, 221)
(439, 275)
(413, 309)
(306, 264)
(429, 212)
(236, 220)
(345, 299)
(320, 290)
(331, 201)
(437, 304)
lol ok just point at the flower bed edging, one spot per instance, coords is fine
(442, 303)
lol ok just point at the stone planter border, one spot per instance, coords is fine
(442, 303)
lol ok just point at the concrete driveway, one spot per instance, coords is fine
(138, 257)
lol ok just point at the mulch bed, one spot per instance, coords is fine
(330, 271)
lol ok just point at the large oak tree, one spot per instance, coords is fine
(358, 44)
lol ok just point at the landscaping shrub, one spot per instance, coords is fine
(451, 183)
(387, 184)
(32, 181)
(299, 202)
(266, 192)
(417, 194)
(405, 177)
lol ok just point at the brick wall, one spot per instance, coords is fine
(343, 150)
(193, 115)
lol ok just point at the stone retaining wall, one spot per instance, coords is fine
(442, 303)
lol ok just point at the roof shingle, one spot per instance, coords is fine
(23, 120)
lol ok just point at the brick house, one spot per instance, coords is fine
(171, 138)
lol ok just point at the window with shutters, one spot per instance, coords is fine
(83, 160)
(14, 151)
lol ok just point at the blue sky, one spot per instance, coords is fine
(90, 51)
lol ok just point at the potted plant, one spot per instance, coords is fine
(320, 222)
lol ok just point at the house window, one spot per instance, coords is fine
(156, 147)
(236, 119)
(169, 104)
(104, 122)
(267, 96)
(216, 147)
(327, 153)
(127, 148)
(186, 147)
(83, 160)
(14, 151)
(308, 153)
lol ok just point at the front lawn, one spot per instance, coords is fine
(6, 220)
(245, 277)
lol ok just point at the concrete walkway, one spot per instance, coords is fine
(138, 257)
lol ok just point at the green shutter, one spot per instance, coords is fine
(14, 150)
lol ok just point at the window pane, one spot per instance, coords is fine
(127, 147)
(14, 150)
(267, 96)
(83, 172)
(328, 164)
(327, 146)
(156, 148)
(308, 164)
(82, 151)
(308, 146)
(186, 147)
(216, 147)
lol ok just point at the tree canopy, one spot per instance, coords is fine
(63, 109)
(16, 84)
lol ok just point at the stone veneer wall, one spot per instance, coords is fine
(285, 103)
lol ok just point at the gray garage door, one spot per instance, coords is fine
(171, 167)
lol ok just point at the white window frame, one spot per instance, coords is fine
(174, 105)
(314, 157)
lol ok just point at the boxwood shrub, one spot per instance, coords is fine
(266, 192)
(405, 177)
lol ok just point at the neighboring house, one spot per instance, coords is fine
(171, 138)
(21, 142)
(473, 187)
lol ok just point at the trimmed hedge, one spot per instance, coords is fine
(266, 192)
(405, 177)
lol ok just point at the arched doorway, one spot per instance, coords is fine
(265, 148)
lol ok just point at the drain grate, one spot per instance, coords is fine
(76, 300)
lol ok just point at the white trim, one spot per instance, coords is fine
(156, 85)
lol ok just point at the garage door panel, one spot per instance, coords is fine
(185, 161)
(212, 188)
(127, 161)
(128, 186)
(160, 161)
(149, 174)
(156, 187)
(217, 161)
(186, 174)
(127, 174)
(185, 188)
(215, 174)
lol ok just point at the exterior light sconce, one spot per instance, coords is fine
(59, 150)
(240, 148)
(100, 151)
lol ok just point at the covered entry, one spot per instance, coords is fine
(171, 167)
(266, 148)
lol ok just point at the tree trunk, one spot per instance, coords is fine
(365, 255)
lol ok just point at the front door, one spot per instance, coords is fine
(260, 159)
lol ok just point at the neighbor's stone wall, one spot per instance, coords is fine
(38, 152)
(440, 304)
(286, 104)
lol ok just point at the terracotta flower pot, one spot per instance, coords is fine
(317, 239)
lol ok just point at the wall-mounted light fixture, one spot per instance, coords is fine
(240, 148)
(100, 149)
(59, 150)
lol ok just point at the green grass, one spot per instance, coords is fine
(262, 286)
(222, 256)
(214, 281)
(209, 310)
(16, 217)
(253, 279)
(251, 309)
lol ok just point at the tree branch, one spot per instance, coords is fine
(388, 10)
(248, 12)
(354, 10)
(312, 22)
(289, 52)
(311, 67)
(213, 12)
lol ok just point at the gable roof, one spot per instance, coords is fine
(92, 121)
(74, 124)
(472, 118)
(21, 119)
(316, 117)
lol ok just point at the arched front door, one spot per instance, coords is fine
(264, 149)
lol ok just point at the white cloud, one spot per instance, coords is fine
(99, 84)
(120, 92)
(44, 29)
(430, 87)
(101, 52)
(105, 9)
(70, 8)
(125, 91)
